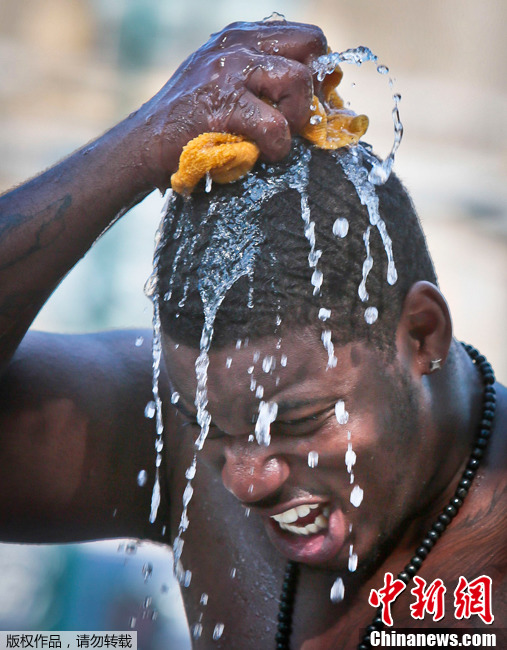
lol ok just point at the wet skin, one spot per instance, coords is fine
(385, 430)
(391, 430)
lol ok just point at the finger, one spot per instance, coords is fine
(263, 124)
(297, 41)
(288, 84)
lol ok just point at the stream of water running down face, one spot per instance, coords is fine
(219, 272)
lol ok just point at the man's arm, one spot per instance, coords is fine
(72, 432)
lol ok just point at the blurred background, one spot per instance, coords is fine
(71, 69)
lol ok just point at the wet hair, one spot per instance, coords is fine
(247, 240)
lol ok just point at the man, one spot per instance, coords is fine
(369, 434)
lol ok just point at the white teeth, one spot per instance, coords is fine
(302, 511)
(287, 519)
(321, 521)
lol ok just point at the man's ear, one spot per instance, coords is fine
(424, 332)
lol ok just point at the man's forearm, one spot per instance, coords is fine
(48, 224)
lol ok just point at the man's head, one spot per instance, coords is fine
(261, 219)
(367, 413)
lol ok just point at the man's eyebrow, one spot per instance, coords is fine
(294, 405)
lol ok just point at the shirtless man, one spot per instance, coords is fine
(405, 394)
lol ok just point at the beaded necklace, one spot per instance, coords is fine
(289, 588)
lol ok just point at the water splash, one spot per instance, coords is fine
(142, 478)
(218, 631)
(328, 344)
(356, 496)
(342, 415)
(327, 63)
(352, 565)
(267, 415)
(313, 459)
(353, 164)
(337, 591)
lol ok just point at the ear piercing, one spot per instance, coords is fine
(435, 364)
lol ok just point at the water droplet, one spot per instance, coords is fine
(142, 477)
(238, 344)
(175, 398)
(313, 459)
(324, 313)
(233, 572)
(337, 591)
(131, 548)
(150, 410)
(315, 119)
(147, 602)
(275, 17)
(283, 360)
(147, 570)
(350, 458)
(132, 622)
(352, 561)
(341, 227)
(187, 495)
(317, 278)
(370, 315)
(267, 415)
(247, 512)
(228, 362)
(382, 69)
(209, 182)
(268, 363)
(218, 631)
(342, 416)
(204, 599)
(356, 496)
(139, 341)
(190, 472)
(196, 630)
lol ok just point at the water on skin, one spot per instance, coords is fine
(337, 591)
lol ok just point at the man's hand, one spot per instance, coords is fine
(221, 87)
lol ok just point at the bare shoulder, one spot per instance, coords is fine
(73, 437)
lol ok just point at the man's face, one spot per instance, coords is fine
(357, 423)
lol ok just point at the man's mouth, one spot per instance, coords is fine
(313, 533)
(306, 519)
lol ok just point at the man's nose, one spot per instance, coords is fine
(252, 472)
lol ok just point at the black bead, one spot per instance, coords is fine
(363, 646)
(469, 473)
(462, 492)
(477, 453)
(445, 519)
(378, 621)
(428, 543)
(450, 511)
(473, 464)
(482, 443)
(417, 561)
(457, 502)
(484, 433)
(370, 629)
(439, 527)
(488, 404)
(465, 483)
(283, 627)
(489, 378)
(404, 577)
(422, 552)
(480, 358)
(411, 570)
(490, 391)
(488, 414)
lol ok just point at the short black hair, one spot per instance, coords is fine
(254, 228)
